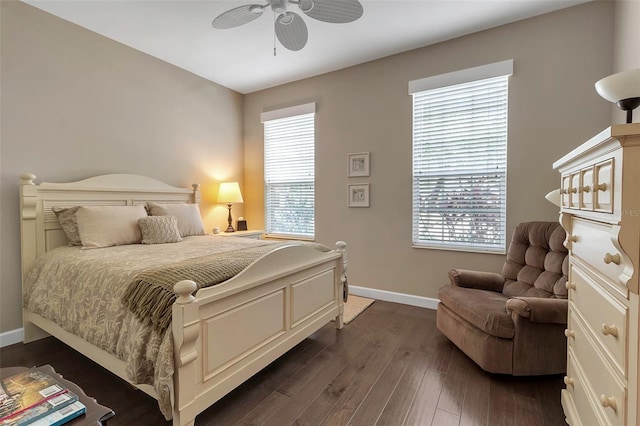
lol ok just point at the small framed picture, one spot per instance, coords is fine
(358, 164)
(358, 194)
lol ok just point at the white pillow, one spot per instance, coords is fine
(105, 226)
(187, 215)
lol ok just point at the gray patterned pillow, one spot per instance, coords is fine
(159, 230)
(67, 218)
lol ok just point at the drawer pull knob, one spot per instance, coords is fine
(570, 333)
(586, 188)
(563, 191)
(600, 187)
(574, 190)
(574, 238)
(610, 330)
(570, 286)
(612, 258)
(608, 401)
(569, 381)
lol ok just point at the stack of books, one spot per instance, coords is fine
(35, 398)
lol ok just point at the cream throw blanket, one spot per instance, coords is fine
(150, 294)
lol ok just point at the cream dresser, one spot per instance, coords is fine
(600, 212)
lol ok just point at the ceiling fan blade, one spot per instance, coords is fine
(332, 11)
(238, 16)
(291, 31)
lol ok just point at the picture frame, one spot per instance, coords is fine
(358, 164)
(358, 194)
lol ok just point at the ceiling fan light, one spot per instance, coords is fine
(286, 18)
(306, 5)
(278, 6)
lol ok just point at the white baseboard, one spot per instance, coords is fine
(391, 296)
(10, 337)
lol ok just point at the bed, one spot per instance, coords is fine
(218, 336)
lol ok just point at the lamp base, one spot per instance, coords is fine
(629, 105)
(230, 220)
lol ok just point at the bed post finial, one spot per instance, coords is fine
(196, 193)
(27, 179)
(184, 289)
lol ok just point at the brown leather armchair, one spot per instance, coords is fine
(514, 322)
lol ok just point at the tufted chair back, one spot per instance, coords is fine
(537, 262)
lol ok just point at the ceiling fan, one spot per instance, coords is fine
(289, 26)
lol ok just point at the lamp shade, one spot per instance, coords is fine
(229, 192)
(623, 85)
(623, 89)
(554, 197)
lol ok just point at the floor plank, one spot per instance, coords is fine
(390, 366)
(475, 409)
(423, 408)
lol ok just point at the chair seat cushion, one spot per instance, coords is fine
(482, 308)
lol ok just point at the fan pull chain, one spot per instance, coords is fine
(274, 34)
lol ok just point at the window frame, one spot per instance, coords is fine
(421, 89)
(280, 116)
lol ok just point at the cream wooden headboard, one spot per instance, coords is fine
(39, 227)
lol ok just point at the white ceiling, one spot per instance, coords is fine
(180, 32)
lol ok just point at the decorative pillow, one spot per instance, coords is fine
(159, 230)
(187, 215)
(105, 226)
(67, 218)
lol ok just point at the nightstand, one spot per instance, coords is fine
(252, 234)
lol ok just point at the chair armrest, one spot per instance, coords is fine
(476, 279)
(539, 309)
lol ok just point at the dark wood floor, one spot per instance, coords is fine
(390, 366)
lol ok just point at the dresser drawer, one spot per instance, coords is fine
(603, 314)
(590, 188)
(576, 387)
(603, 186)
(605, 390)
(593, 243)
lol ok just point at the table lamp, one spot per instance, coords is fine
(229, 193)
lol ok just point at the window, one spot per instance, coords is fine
(289, 171)
(460, 159)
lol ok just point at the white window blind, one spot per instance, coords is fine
(459, 166)
(289, 174)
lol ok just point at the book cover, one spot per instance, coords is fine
(26, 390)
(35, 412)
(62, 415)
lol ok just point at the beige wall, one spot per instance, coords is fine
(553, 108)
(75, 104)
(626, 50)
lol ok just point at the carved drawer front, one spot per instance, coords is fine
(565, 193)
(574, 195)
(575, 383)
(603, 186)
(605, 316)
(602, 385)
(592, 242)
(585, 190)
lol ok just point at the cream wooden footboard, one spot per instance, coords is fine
(223, 335)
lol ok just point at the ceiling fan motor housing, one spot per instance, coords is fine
(278, 6)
